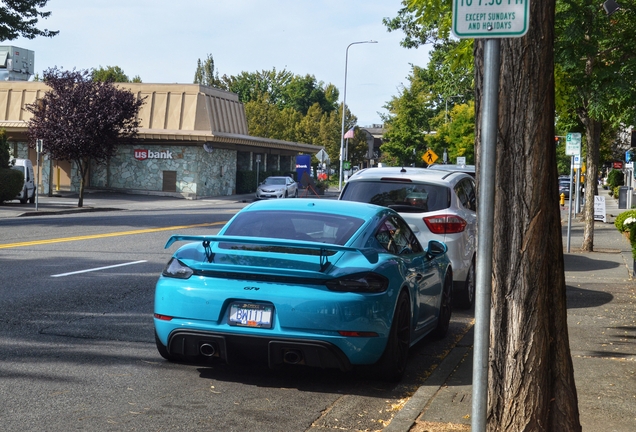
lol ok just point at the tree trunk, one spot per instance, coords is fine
(82, 166)
(531, 377)
(593, 135)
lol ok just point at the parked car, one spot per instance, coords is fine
(468, 169)
(564, 188)
(28, 189)
(277, 187)
(324, 283)
(438, 205)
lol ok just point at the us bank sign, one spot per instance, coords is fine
(142, 154)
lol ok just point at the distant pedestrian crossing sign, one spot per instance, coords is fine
(429, 157)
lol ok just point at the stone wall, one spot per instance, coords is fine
(199, 173)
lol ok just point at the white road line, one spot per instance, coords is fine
(98, 268)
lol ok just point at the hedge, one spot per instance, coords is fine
(620, 218)
(11, 182)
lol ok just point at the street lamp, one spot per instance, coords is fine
(610, 6)
(344, 108)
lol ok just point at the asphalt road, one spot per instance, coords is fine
(78, 348)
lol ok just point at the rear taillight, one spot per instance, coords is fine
(361, 283)
(445, 224)
(357, 334)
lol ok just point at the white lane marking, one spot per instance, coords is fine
(98, 268)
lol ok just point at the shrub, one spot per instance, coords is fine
(615, 178)
(632, 239)
(11, 182)
(619, 221)
(5, 157)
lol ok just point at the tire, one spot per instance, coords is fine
(286, 194)
(296, 193)
(32, 199)
(25, 196)
(392, 364)
(445, 308)
(466, 297)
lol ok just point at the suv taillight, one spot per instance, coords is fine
(445, 224)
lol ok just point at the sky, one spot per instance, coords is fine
(161, 41)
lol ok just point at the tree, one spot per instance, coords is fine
(112, 74)
(407, 123)
(250, 86)
(281, 105)
(205, 74)
(429, 95)
(20, 17)
(5, 156)
(82, 120)
(531, 385)
(301, 93)
(597, 59)
(264, 119)
(456, 134)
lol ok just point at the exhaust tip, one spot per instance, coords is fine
(207, 349)
(292, 356)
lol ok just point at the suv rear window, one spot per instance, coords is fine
(400, 196)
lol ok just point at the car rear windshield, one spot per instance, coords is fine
(318, 227)
(400, 196)
(275, 181)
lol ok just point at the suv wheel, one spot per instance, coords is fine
(466, 297)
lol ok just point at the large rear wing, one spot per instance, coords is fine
(370, 254)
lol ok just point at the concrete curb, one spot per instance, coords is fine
(406, 417)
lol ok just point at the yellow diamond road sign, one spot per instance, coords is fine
(429, 157)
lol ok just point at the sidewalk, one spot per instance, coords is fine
(601, 294)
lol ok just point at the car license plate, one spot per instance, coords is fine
(251, 315)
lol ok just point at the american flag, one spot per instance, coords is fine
(349, 133)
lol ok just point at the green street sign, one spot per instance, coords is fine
(346, 165)
(573, 144)
(490, 18)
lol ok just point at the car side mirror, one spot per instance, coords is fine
(436, 248)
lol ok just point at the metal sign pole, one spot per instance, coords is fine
(578, 189)
(570, 204)
(488, 155)
(38, 150)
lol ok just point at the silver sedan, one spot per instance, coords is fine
(277, 187)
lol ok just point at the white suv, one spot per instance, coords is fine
(438, 205)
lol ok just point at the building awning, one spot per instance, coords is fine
(224, 137)
(188, 136)
(18, 124)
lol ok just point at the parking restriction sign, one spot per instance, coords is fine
(573, 144)
(490, 18)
